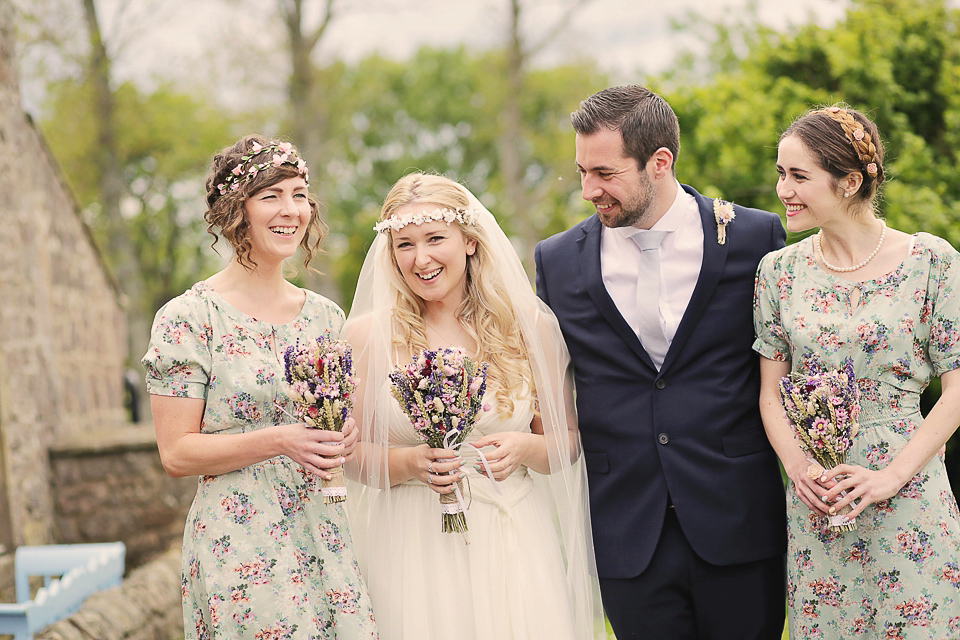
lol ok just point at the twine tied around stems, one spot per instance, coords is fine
(453, 505)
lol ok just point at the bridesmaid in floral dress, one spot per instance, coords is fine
(263, 557)
(891, 302)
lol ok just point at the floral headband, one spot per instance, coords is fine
(855, 134)
(395, 223)
(283, 153)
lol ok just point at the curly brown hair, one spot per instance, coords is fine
(226, 211)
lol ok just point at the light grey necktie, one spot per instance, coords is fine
(649, 326)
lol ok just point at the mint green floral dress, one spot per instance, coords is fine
(263, 557)
(897, 575)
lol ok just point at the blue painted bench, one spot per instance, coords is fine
(83, 569)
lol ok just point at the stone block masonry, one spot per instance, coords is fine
(62, 327)
(71, 468)
(111, 486)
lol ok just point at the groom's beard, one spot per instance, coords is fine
(635, 211)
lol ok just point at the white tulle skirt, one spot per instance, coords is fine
(506, 582)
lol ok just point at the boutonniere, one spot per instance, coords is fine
(723, 212)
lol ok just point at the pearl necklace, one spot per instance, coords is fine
(860, 265)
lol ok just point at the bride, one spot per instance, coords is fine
(441, 273)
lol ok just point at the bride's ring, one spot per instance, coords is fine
(430, 466)
(430, 478)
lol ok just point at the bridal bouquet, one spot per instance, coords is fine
(442, 393)
(321, 383)
(823, 406)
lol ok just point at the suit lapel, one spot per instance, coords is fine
(714, 260)
(588, 249)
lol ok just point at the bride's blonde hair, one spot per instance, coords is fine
(486, 311)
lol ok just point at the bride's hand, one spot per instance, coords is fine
(439, 469)
(512, 448)
(350, 436)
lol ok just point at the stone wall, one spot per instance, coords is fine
(111, 486)
(71, 467)
(62, 329)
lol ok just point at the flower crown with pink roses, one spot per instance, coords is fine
(282, 153)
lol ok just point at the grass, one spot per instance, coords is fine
(610, 636)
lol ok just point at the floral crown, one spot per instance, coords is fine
(283, 153)
(440, 214)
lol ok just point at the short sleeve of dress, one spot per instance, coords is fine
(770, 339)
(337, 318)
(178, 359)
(943, 298)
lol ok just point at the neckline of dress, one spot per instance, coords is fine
(238, 314)
(853, 284)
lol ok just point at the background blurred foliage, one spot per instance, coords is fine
(442, 110)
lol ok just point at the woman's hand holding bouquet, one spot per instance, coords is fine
(320, 381)
(823, 406)
(441, 392)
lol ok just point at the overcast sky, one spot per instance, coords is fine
(622, 35)
(625, 37)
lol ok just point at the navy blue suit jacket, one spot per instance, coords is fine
(692, 430)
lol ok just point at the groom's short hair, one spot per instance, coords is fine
(644, 119)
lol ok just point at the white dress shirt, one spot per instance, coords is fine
(681, 256)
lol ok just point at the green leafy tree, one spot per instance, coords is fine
(165, 140)
(896, 60)
(440, 112)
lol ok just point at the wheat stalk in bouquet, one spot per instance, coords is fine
(321, 383)
(441, 392)
(823, 406)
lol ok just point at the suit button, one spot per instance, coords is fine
(660, 384)
(663, 438)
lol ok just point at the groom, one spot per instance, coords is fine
(655, 300)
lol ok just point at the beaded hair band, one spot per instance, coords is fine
(855, 134)
(283, 153)
(441, 214)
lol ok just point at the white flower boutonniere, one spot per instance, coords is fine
(723, 211)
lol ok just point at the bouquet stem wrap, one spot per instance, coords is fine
(451, 505)
(839, 521)
(441, 392)
(321, 383)
(823, 406)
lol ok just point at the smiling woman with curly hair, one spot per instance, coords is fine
(263, 556)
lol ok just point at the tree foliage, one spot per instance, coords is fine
(439, 112)
(896, 60)
(165, 142)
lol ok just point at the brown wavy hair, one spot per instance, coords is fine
(226, 211)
